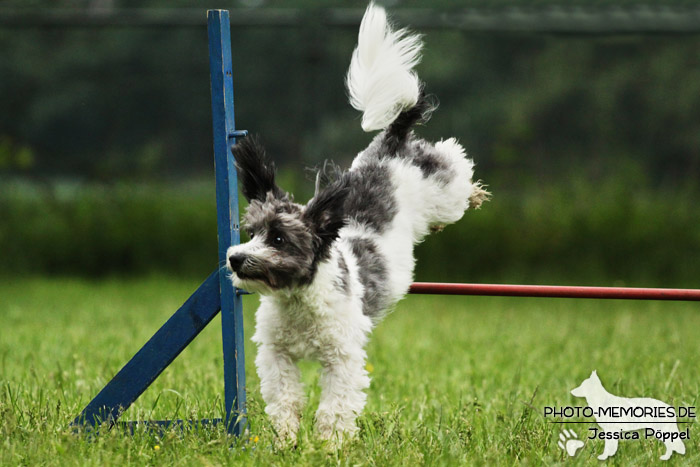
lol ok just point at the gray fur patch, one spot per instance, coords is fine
(371, 200)
(343, 282)
(426, 157)
(373, 273)
(431, 162)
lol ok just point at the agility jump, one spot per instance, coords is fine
(217, 294)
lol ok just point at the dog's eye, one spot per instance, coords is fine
(278, 240)
(251, 235)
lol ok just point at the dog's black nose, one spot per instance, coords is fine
(236, 261)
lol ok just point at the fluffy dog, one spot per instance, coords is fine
(328, 272)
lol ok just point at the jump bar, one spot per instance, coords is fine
(555, 291)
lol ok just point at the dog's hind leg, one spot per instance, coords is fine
(434, 185)
(282, 391)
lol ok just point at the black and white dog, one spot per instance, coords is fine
(328, 272)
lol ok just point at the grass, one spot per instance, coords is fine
(455, 380)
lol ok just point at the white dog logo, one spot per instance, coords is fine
(618, 415)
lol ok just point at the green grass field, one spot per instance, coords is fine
(455, 380)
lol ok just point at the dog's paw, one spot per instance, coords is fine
(287, 443)
(285, 438)
(285, 426)
(334, 439)
(335, 432)
(479, 195)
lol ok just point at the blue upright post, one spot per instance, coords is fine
(216, 293)
(221, 69)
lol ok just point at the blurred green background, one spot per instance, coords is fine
(590, 143)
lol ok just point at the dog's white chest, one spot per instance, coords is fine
(299, 330)
(312, 329)
(301, 335)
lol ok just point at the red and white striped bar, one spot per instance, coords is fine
(555, 291)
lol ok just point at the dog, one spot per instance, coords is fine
(327, 272)
(638, 414)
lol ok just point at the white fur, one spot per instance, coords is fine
(320, 323)
(380, 81)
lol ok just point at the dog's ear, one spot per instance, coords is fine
(325, 213)
(256, 173)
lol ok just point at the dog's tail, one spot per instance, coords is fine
(381, 82)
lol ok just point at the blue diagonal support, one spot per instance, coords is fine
(155, 356)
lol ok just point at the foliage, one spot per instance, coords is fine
(597, 231)
(608, 231)
(98, 229)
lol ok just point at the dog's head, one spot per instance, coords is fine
(287, 240)
(590, 385)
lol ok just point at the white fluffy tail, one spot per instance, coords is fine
(381, 81)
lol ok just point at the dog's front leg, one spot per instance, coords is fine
(282, 391)
(343, 381)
